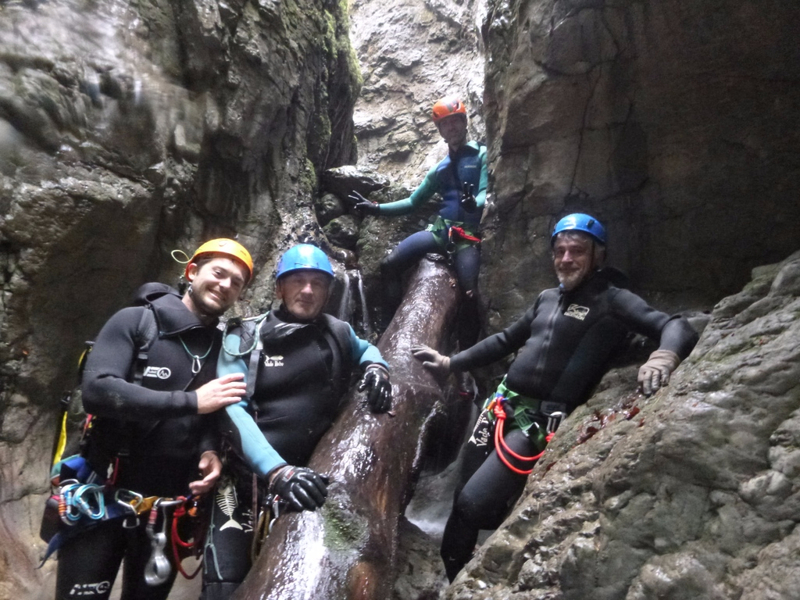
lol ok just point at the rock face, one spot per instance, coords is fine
(672, 122)
(128, 129)
(692, 493)
(413, 52)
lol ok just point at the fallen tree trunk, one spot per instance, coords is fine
(347, 551)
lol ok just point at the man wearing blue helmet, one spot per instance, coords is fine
(564, 345)
(298, 362)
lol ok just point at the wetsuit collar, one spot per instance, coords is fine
(466, 148)
(173, 317)
(281, 323)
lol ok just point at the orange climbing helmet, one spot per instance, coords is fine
(226, 247)
(447, 107)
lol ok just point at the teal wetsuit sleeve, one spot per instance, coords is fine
(365, 353)
(426, 189)
(480, 197)
(257, 452)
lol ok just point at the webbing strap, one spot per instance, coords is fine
(252, 368)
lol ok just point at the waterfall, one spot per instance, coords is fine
(344, 312)
(367, 330)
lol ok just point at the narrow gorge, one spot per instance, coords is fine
(133, 128)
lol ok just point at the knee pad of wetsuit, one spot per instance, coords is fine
(219, 590)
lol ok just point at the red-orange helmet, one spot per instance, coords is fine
(226, 247)
(447, 107)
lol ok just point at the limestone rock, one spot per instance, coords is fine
(127, 130)
(411, 54)
(344, 180)
(328, 207)
(343, 231)
(665, 120)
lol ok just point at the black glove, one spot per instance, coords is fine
(468, 202)
(362, 204)
(301, 488)
(379, 388)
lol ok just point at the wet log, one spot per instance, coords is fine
(347, 551)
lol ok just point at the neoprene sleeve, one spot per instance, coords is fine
(257, 452)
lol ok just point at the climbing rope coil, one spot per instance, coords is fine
(497, 409)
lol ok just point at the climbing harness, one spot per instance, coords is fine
(196, 358)
(457, 236)
(497, 409)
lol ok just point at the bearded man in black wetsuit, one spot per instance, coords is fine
(564, 343)
(161, 421)
(298, 361)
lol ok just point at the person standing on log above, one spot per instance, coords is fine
(461, 180)
(151, 424)
(299, 362)
(564, 343)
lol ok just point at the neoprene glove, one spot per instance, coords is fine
(364, 205)
(378, 386)
(301, 488)
(432, 360)
(656, 371)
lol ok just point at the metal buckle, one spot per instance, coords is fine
(554, 420)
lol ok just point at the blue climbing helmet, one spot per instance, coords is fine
(580, 222)
(301, 258)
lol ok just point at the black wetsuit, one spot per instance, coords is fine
(304, 370)
(156, 423)
(564, 343)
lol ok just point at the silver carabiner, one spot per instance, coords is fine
(158, 568)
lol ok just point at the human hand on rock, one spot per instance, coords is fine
(655, 373)
(363, 205)
(432, 360)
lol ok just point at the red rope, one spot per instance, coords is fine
(500, 442)
(463, 234)
(177, 541)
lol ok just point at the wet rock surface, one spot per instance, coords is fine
(691, 493)
(666, 120)
(413, 52)
(128, 129)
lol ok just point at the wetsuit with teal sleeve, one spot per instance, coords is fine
(303, 371)
(447, 179)
(564, 344)
(467, 165)
(155, 423)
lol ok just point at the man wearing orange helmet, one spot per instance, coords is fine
(461, 180)
(149, 422)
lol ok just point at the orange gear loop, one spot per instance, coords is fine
(496, 406)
